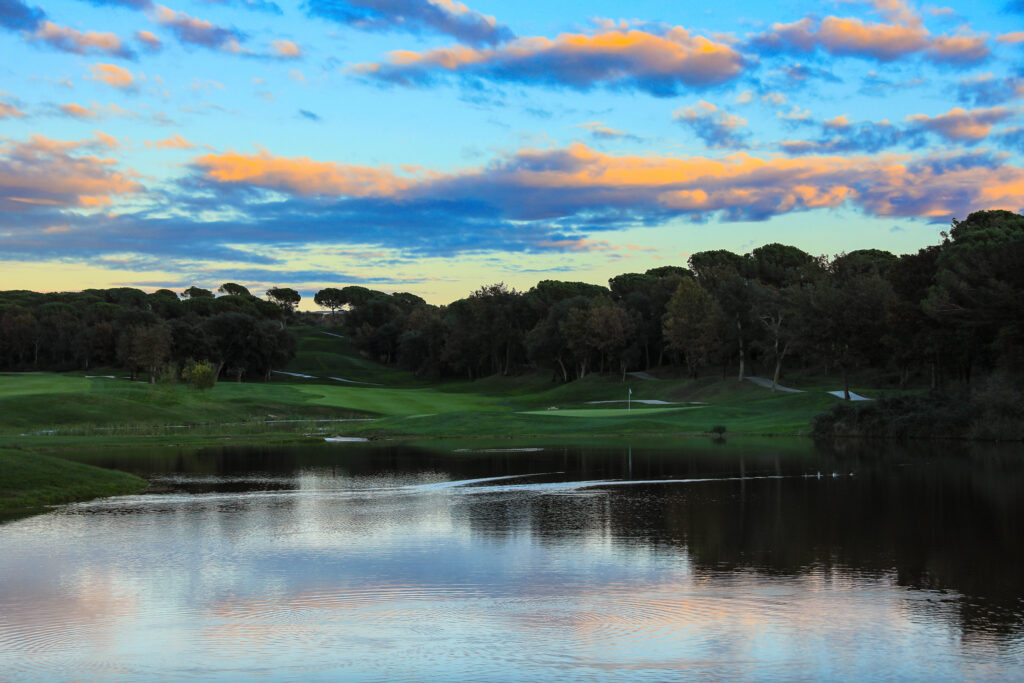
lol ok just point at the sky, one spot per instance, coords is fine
(433, 147)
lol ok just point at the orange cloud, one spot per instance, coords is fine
(1015, 37)
(149, 39)
(850, 36)
(10, 111)
(659, 63)
(285, 49)
(71, 40)
(301, 175)
(902, 34)
(173, 142)
(94, 111)
(544, 184)
(960, 124)
(47, 172)
(959, 48)
(77, 111)
(189, 29)
(113, 75)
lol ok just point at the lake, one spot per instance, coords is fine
(753, 559)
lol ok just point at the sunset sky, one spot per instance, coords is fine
(433, 146)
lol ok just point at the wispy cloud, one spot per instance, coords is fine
(194, 31)
(415, 16)
(716, 127)
(599, 131)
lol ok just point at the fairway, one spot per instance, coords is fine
(608, 412)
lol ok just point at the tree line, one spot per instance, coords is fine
(946, 314)
(237, 334)
(941, 315)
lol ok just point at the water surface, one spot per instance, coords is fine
(763, 561)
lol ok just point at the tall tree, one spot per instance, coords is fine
(233, 289)
(692, 324)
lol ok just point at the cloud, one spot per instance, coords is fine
(149, 40)
(306, 114)
(299, 175)
(662, 64)
(600, 131)
(415, 16)
(94, 111)
(71, 40)
(33, 24)
(130, 4)
(986, 89)
(173, 142)
(8, 110)
(713, 125)
(842, 136)
(43, 172)
(285, 49)
(17, 16)
(579, 185)
(901, 35)
(1013, 38)
(114, 76)
(529, 201)
(254, 5)
(193, 31)
(960, 125)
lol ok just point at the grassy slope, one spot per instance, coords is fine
(29, 481)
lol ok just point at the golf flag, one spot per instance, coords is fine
(630, 391)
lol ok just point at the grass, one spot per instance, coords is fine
(30, 481)
(44, 406)
(69, 411)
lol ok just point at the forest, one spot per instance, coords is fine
(949, 315)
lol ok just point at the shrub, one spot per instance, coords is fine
(199, 374)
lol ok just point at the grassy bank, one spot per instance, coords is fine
(30, 481)
(330, 390)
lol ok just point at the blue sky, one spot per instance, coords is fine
(434, 147)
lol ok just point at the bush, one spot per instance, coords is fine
(718, 429)
(200, 375)
(933, 415)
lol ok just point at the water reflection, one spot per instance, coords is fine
(384, 563)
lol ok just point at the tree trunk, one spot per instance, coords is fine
(565, 373)
(739, 335)
(846, 384)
